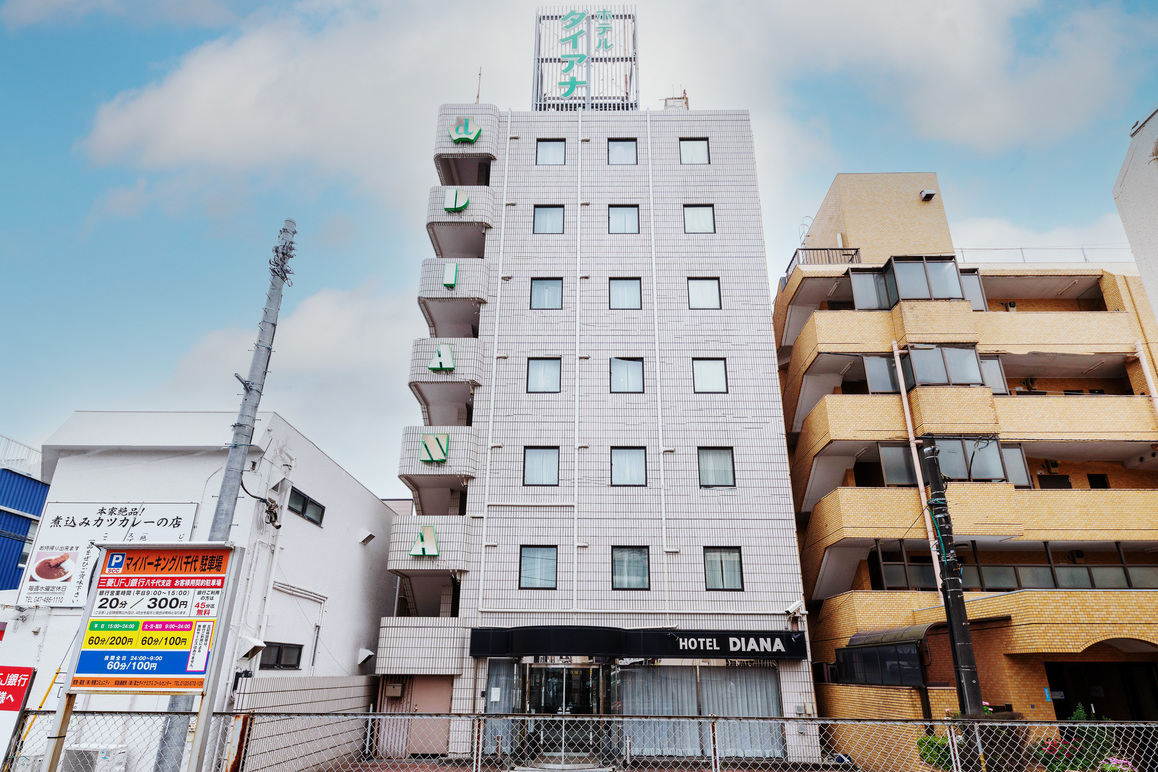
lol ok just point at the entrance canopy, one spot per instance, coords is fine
(577, 640)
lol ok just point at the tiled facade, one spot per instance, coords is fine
(1055, 535)
(493, 333)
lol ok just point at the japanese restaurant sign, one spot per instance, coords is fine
(64, 556)
(153, 620)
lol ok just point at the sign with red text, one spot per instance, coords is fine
(14, 682)
(153, 621)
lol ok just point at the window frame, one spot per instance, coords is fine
(908, 456)
(892, 367)
(635, 146)
(740, 553)
(707, 147)
(611, 466)
(611, 376)
(1001, 368)
(711, 207)
(719, 294)
(541, 447)
(639, 285)
(281, 649)
(623, 206)
(531, 295)
(305, 507)
(888, 275)
(1001, 447)
(647, 551)
(559, 385)
(909, 372)
(539, 142)
(696, 389)
(555, 582)
(535, 220)
(700, 468)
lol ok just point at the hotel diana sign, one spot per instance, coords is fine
(585, 58)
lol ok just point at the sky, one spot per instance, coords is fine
(150, 149)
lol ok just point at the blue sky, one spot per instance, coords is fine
(151, 148)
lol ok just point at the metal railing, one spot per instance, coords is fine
(1046, 255)
(839, 256)
(19, 457)
(403, 742)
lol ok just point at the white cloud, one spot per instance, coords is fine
(996, 232)
(211, 13)
(338, 373)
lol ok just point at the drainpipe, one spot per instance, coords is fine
(1140, 352)
(933, 548)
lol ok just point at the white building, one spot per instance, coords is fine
(314, 581)
(601, 487)
(1136, 194)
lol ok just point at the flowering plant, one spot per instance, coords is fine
(1116, 765)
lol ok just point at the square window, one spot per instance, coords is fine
(537, 568)
(703, 293)
(897, 463)
(548, 219)
(543, 376)
(541, 466)
(623, 219)
(546, 293)
(716, 468)
(723, 568)
(699, 218)
(625, 294)
(710, 376)
(621, 151)
(551, 152)
(629, 568)
(301, 504)
(281, 656)
(629, 466)
(694, 151)
(626, 375)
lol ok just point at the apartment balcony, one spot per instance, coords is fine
(443, 375)
(464, 162)
(1076, 418)
(460, 233)
(437, 463)
(1065, 332)
(451, 534)
(421, 645)
(451, 294)
(837, 256)
(846, 524)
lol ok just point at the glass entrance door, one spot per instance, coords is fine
(565, 691)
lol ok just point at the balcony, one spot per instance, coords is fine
(421, 645)
(437, 463)
(460, 234)
(1067, 332)
(451, 293)
(464, 162)
(802, 256)
(451, 532)
(1077, 418)
(446, 395)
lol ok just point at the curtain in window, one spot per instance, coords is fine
(699, 219)
(621, 151)
(628, 466)
(541, 466)
(551, 152)
(703, 293)
(543, 375)
(546, 293)
(693, 151)
(722, 568)
(623, 219)
(709, 375)
(661, 691)
(716, 467)
(500, 683)
(629, 569)
(537, 567)
(548, 219)
(748, 692)
(625, 293)
(626, 375)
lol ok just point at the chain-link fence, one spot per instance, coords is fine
(400, 742)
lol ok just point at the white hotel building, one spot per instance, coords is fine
(603, 518)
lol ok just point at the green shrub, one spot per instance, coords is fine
(934, 751)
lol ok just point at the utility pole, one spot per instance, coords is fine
(960, 638)
(172, 745)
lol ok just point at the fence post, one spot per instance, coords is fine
(476, 753)
(954, 753)
(715, 748)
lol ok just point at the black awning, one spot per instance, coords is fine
(578, 640)
(909, 634)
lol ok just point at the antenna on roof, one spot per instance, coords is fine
(478, 93)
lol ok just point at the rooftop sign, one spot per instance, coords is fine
(585, 58)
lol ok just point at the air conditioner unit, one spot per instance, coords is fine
(81, 758)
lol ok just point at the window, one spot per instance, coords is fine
(629, 466)
(26, 550)
(974, 293)
(710, 376)
(993, 375)
(940, 366)
(301, 504)
(699, 218)
(548, 219)
(621, 151)
(912, 279)
(537, 568)
(881, 374)
(723, 569)
(897, 465)
(624, 294)
(1016, 470)
(543, 376)
(551, 152)
(703, 293)
(629, 568)
(891, 665)
(1098, 481)
(541, 466)
(626, 375)
(981, 459)
(546, 293)
(694, 151)
(281, 656)
(716, 469)
(623, 219)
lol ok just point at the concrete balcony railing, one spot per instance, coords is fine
(484, 117)
(445, 394)
(1091, 418)
(460, 234)
(450, 294)
(1055, 332)
(421, 645)
(451, 532)
(461, 455)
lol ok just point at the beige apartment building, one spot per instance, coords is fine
(1036, 381)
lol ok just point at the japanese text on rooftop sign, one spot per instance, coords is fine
(63, 556)
(573, 32)
(153, 621)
